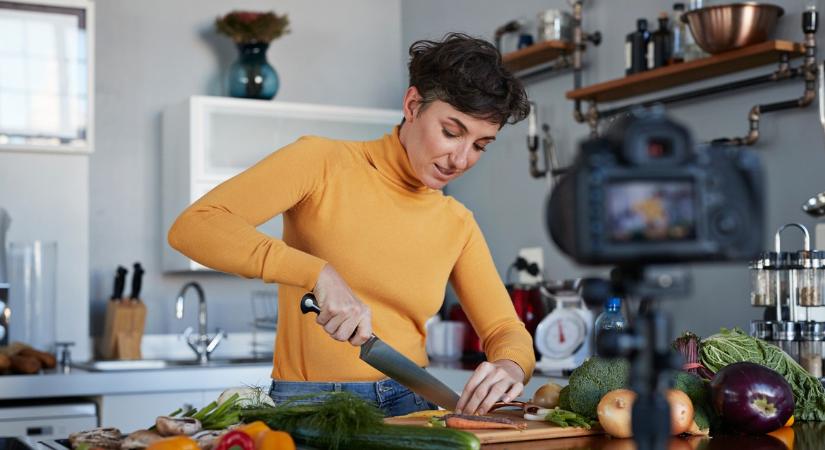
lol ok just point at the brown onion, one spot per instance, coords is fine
(614, 412)
(681, 411)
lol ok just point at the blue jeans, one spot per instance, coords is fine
(388, 395)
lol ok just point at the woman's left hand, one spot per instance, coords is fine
(491, 382)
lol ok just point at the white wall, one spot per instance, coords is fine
(155, 53)
(47, 196)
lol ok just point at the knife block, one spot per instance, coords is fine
(123, 329)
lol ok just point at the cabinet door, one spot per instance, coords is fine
(231, 135)
(133, 412)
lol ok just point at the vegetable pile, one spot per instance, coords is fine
(345, 421)
(733, 346)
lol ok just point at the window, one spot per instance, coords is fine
(45, 75)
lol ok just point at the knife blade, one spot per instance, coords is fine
(137, 279)
(393, 364)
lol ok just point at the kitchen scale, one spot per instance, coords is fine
(564, 337)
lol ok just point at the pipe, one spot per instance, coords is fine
(712, 90)
(578, 44)
(808, 69)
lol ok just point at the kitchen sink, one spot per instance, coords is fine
(157, 364)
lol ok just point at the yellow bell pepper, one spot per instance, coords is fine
(274, 440)
(174, 443)
(254, 429)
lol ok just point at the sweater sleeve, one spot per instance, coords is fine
(219, 229)
(488, 306)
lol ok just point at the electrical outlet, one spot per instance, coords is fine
(532, 255)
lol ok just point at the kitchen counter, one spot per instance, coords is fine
(81, 383)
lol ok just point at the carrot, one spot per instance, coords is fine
(468, 422)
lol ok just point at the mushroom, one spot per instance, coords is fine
(107, 438)
(208, 439)
(140, 439)
(173, 426)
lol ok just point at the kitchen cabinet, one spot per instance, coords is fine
(131, 412)
(207, 140)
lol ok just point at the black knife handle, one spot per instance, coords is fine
(120, 282)
(137, 279)
(309, 304)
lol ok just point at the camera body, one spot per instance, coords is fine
(642, 194)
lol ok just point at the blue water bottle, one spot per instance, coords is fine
(611, 319)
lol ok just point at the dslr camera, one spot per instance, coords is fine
(644, 194)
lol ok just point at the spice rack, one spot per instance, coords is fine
(796, 280)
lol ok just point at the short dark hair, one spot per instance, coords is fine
(467, 73)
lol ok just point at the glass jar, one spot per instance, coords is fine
(785, 334)
(810, 347)
(807, 288)
(33, 293)
(760, 285)
(778, 279)
(762, 329)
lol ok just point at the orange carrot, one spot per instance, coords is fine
(468, 422)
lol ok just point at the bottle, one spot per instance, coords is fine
(658, 48)
(678, 30)
(692, 49)
(636, 48)
(611, 319)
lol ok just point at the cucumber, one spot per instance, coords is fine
(394, 437)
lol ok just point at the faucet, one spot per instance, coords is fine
(202, 344)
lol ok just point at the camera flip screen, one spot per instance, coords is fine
(650, 211)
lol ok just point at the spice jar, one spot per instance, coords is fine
(807, 288)
(762, 329)
(785, 333)
(778, 279)
(760, 282)
(810, 347)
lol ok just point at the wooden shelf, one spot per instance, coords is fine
(536, 54)
(684, 73)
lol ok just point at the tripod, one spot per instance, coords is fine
(646, 346)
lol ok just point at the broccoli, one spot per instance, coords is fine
(564, 398)
(595, 377)
(699, 392)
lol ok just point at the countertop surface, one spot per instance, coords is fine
(79, 382)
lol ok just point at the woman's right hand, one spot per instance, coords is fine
(343, 316)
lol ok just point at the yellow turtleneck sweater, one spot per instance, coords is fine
(359, 207)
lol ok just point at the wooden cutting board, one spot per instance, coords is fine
(535, 430)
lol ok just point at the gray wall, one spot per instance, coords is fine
(154, 53)
(508, 203)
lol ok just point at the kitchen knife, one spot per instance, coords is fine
(393, 364)
(137, 279)
(120, 282)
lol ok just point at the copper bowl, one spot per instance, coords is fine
(721, 28)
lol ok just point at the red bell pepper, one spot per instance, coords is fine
(236, 440)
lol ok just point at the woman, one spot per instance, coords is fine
(368, 230)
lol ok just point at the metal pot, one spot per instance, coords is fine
(721, 28)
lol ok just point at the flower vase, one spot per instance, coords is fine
(251, 76)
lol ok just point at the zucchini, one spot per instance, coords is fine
(393, 437)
